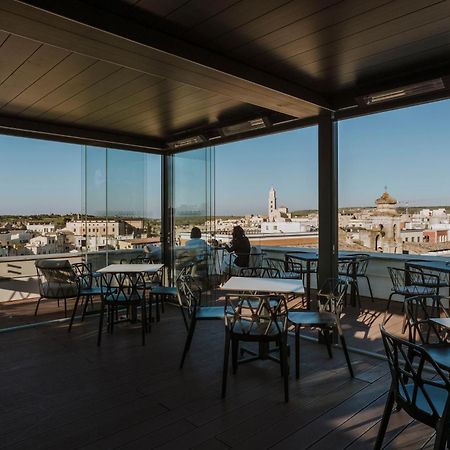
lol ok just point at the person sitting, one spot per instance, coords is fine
(196, 241)
(240, 246)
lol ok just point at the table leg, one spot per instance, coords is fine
(308, 284)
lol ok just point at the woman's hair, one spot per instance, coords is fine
(238, 231)
(196, 233)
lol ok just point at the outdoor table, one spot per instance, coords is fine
(284, 286)
(309, 258)
(443, 322)
(131, 268)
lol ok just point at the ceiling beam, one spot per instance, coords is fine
(85, 29)
(52, 131)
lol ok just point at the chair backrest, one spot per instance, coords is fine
(126, 287)
(256, 257)
(348, 266)
(56, 278)
(402, 277)
(275, 263)
(84, 273)
(416, 389)
(293, 265)
(188, 290)
(363, 261)
(419, 310)
(330, 297)
(256, 315)
(259, 272)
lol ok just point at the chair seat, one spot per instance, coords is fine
(440, 353)
(415, 290)
(346, 278)
(433, 282)
(91, 291)
(251, 329)
(311, 318)
(290, 275)
(164, 290)
(437, 395)
(210, 312)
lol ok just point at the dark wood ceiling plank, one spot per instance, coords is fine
(14, 51)
(35, 67)
(160, 8)
(325, 26)
(269, 23)
(358, 60)
(120, 99)
(70, 88)
(98, 89)
(195, 12)
(148, 51)
(402, 29)
(66, 69)
(165, 101)
(134, 103)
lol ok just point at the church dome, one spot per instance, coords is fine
(386, 199)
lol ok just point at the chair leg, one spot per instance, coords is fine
(440, 441)
(326, 335)
(285, 367)
(347, 356)
(297, 352)
(387, 308)
(385, 420)
(189, 337)
(370, 288)
(37, 306)
(144, 320)
(86, 303)
(234, 355)
(65, 307)
(183, 313)
(226, 357)
(100, 326)
(73, 313)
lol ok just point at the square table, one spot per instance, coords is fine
(443, 321)
(284, 286)
(131, 268)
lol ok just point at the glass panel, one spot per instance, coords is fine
(193, 199)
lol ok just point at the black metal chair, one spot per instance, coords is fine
(255, 318)
(347, 272)
(361, 269)
(301, 266)
(419, 387)
(259, 272)
(283, 268)
(330, 301)
(88, 288)
(407, 283)
(434, 338)
(191, 309)
(431, 278)
(122, 290)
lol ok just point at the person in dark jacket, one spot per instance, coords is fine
(240, 246)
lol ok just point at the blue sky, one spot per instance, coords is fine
(406, 150)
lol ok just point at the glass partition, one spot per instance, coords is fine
(193, 200)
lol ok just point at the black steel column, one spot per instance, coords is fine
(167, 221)
(328, 197)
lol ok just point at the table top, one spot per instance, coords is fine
(266, 285)
(131, 268)
(315, 256)
(440, 266)
(443, 322)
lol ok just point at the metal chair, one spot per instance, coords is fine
(419, 310)
(259, 272)
(407, 283)
(301, 266)
(330, 301)
(419, 387)
(122, 290)
(254, 318)
(361, 269)
(347, 272)
(192, 310)
(431, 278)
(283, 268)
(88, 288)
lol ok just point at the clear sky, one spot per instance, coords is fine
(406, 150)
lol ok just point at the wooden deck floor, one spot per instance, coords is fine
(59, 391)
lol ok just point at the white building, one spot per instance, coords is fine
(41, 228)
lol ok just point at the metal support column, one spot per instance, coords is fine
(328, 197)
(167, 241)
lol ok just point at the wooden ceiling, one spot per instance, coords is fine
(142, 73)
